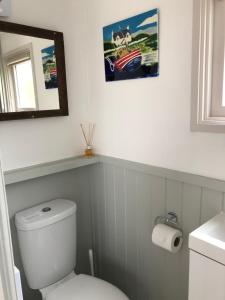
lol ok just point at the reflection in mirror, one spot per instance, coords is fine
(28, 74)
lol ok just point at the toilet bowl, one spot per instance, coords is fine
(47, 242)
(84, 287)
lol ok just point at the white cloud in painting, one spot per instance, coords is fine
(149, 21)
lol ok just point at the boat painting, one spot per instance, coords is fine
(49, 67)
(131, 47)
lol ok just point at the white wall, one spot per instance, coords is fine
(28, 142)
(148, 120)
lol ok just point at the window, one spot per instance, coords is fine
(19, 67)
(24, 86)
(208, 70)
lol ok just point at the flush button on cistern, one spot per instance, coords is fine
(46, 209)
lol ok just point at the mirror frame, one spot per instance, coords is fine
(57, 37)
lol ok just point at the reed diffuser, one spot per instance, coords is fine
(88, 137)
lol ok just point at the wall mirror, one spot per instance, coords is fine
(32, 73)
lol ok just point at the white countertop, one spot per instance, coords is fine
(209, 239)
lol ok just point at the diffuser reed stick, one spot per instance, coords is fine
(86, 140)
(88, 137)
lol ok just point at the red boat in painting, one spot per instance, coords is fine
(129, 62)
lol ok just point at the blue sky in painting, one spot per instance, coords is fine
(133, 23)
(49, 51)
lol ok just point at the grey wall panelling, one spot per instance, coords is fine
(118, 202)
(126, 198)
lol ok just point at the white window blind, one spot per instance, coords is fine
(19, 56)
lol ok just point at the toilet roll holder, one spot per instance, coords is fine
(170, 219)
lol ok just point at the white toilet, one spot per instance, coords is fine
(47, 241)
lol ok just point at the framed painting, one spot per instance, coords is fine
(49, 67)
(131, 47)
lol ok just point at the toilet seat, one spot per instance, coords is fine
(84, 287)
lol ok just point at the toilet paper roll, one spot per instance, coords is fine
(167, 238)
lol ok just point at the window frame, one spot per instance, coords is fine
(24, 53)
(202, 69)
(7, 278)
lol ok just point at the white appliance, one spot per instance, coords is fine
(47, 241)
(207, 260)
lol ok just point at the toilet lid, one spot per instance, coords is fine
(84, 287)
